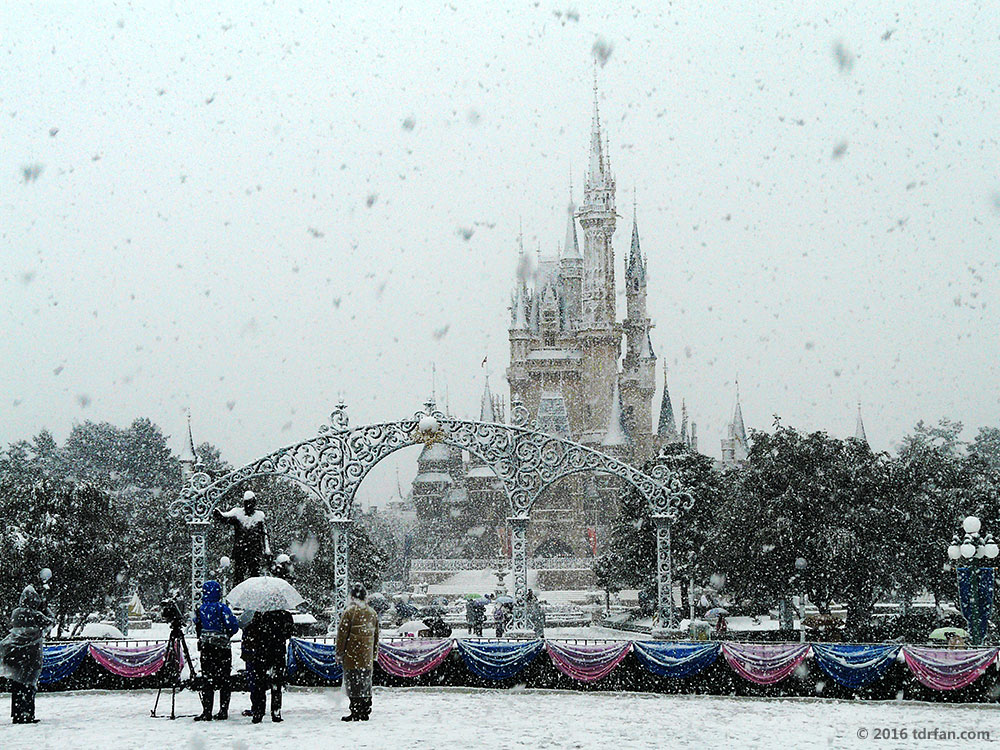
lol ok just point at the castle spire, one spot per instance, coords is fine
(596, 174)
(572, 247)
(667, 429)
(859, 428)
(486, 413)
(636, 268)
(189, 456)
(739, 430)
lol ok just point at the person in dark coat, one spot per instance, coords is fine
(265, 649)
(502, 615)
(215, 624)
(535, 614)
(250, 542)
(21, 653)
(357, 648)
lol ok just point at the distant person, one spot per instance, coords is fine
(475, 613)
(502, 615)
(21, 653)
(357, 647)
(265, 650)
(535, 614)
(250, 541)
(215, 624)
(721, 626)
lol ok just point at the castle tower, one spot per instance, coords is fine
(571, 270)
(600, 333)
(639, 368)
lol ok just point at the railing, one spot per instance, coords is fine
(437, 565)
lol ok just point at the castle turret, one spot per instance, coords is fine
(639, 366)
(571, 270)
(599, 334)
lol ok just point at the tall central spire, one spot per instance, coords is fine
(596, 151)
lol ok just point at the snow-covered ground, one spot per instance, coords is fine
(414, 718)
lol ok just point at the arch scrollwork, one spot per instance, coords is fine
(332, 464)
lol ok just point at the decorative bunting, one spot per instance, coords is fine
(413, 658)
(854, 665)
(498, 661)
(140, 661)
(60, 660)
(675, 659)
(587, 663)
(764, 663)
(318, 658)
(851, 665)
(948, 668)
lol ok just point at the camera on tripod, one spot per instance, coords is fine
(172, 613)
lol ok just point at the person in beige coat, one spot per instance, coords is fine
(357, 647)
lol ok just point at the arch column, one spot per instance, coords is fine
(341, 554)
(664, 580)
(519, 568)
(199, 568)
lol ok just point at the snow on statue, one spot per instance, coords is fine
(250, 540)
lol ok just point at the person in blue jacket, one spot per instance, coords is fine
(215, 624)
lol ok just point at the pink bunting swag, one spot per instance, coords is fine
(141, 661)
(414, 658)
(587, 663)
(764, 663)
(948, 669)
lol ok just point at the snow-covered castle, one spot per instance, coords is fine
(568, 368)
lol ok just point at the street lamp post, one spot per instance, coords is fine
(975, 576)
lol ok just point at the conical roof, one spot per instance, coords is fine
(486, 413)
(188, 453)
(859, 428)
(667, 426)
(616, 434)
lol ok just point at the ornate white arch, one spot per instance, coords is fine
(332, 465)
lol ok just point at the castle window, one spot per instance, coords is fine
(549, 339)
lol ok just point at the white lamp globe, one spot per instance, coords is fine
(427, 424)
(968, 550)
(800, 563)
(980, 551)
(45, 574)
(991, 550)
(249, 495)
(971, 525)
(954, 551)
(224, 562)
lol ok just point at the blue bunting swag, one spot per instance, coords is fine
(852, 665)
(498, 661)
(318, 658)
(60, 660)
(675, 659)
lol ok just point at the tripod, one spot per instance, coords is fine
(175, 643)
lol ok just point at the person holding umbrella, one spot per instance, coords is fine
(266, 603)
(357, 647)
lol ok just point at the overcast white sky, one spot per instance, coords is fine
(200, 233)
